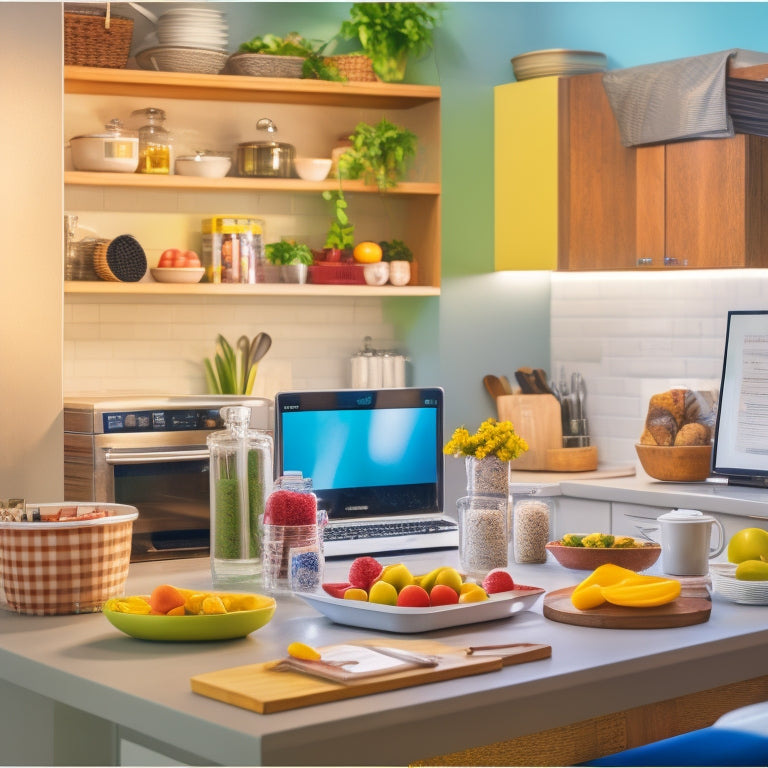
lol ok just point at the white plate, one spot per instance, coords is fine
(725, 583)
(178, 274)
(390, 618)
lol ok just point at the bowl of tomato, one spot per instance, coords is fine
(178, 266)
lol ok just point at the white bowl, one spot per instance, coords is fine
(207, 166)
(312, 168)
(178, 274)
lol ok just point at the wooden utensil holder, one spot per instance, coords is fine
(536, 418)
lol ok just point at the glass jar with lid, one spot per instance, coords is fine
(154, 142)
(533, 511)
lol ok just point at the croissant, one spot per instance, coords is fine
(678, 417)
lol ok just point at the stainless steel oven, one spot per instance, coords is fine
(150, 452)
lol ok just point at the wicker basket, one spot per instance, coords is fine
(173, 59)
(264, 65)
(52, 568)
(95, 38)
(120, 260)
(356, 67)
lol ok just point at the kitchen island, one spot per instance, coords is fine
(112, 699)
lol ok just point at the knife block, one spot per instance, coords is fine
(536, 418)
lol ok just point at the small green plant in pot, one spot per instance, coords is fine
(391, 32)
(399, 256)
(380, 154)
(292, 259)
(341, 233)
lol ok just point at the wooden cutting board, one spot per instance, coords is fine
(682, 612)
(537, 419)
(259, 688)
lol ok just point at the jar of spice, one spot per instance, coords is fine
(533, 508)
(240, 481)
(154, 142)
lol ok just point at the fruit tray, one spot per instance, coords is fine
(336, 274)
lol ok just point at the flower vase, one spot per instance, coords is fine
(488, 476)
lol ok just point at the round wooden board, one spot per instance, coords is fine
(679, 613)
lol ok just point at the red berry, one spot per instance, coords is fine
(442, 594)
(364, 571)
(498, 580)
(413, 596)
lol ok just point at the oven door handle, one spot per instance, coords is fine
(153, 457)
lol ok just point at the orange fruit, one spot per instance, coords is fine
(367, 252)
(165, 598)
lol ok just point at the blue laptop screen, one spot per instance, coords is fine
(368, 452)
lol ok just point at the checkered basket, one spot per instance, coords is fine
(49, 568)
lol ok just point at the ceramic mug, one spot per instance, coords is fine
(686, 542)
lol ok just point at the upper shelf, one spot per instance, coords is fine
(278, 90)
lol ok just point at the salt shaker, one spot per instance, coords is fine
(240, 482)
(533, 509)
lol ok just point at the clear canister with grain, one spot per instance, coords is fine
(533, 508)
(483, 534)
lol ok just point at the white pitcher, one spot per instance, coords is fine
(686, 542)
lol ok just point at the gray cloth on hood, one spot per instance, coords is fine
(675, 100)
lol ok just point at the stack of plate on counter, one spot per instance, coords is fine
(725, 583)
(190, 40)
(557, 61)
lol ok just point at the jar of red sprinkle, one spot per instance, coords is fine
(292, 545)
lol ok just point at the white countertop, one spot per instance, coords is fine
(83, 662)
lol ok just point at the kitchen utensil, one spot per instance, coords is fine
(419, 659)
(537, 421)
(206, 165)
(313, 168)
(243, 356)
(682, 612)
(686, 542)
(637, 558)
(540, 377)
(177, 274)
(523, 382)
(494, 386)
(676, 463)
(507, 386)
(273, 159)
(114, 150)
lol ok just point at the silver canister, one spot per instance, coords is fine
(376, 369)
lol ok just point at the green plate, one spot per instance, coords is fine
(176, 629)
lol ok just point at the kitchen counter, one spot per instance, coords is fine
(139, 692)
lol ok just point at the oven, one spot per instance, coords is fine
(151, 452)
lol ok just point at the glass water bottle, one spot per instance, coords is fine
(154, 142)
(240, 481)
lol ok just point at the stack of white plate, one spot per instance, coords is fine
(725, 583)
(557, 61)
(204, 28)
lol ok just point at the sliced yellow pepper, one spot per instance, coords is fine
(588, 594)
(643, 595)
(620, 586)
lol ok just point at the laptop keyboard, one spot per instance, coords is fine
(383, 530)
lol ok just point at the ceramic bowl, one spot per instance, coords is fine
(588, 558)
(178, 274)
(312, 168)
(676, 463)
(376, 273)
(205, 166)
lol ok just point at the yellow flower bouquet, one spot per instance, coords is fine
(493, 438)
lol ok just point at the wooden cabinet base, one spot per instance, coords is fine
(608, 734)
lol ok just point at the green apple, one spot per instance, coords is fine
(451, 578)
(382, 592)
(748, 544)
(397, 575)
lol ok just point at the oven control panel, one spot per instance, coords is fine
(161, 420)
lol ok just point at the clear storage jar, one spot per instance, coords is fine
(483, 534)
(154, 142)
(533, 510)
(240, 483)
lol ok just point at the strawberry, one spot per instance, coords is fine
(364, 571)
(498, 580)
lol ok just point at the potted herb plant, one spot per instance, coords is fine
(292, 259)
(399, 256)
(380, 154)
(390, 32)
(341, 234)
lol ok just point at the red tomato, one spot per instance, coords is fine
(193, 260)
(167, 257)
(180, 260)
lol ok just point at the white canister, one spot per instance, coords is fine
(686, 542)
(114, 150)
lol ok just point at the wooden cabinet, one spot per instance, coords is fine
(695, 204)
(222, 110)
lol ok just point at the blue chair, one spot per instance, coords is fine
(738, 738)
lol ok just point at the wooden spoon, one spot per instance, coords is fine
(494, 386)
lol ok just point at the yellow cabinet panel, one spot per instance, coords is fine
(526, 174)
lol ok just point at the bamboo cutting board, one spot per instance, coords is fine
(682, 612)
(537, 419)
(259, 688)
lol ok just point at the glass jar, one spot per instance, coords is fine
(240, 482)
(533, 510)
(154, 142)
(292, 545)
(483, 534)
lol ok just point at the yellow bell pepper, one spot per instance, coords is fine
(621, 586)
(588, 594)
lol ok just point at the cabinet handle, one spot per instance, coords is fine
(645, 262)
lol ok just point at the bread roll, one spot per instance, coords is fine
(694, 433)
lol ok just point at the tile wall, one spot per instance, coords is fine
(634, 334)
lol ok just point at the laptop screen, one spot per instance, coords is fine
(370, 453)
(741, 433)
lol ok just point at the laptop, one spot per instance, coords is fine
(740, 451)
(377, 466)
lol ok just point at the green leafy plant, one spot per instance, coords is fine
(390, 32)
(293, 44)
(493, 438)
(230, 372)
(341, 234)
(285, 252)
(380, 154)
(395, 250)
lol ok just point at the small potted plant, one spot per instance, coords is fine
(291, 259)
(399, 256)
(390, 32)
(341, 234)
(380, 154)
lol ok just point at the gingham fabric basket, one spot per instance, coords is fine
(50, 568)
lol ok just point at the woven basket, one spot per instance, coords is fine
(64, 568)
(356, 67)
(120, 260)
(171, 59)
(97, 39)
(264, 65)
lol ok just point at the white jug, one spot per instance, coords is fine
(686, 542)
